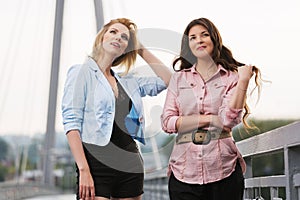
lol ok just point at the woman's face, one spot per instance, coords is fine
(116, 39)
(200, 42)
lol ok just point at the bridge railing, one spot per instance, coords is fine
(285, 140)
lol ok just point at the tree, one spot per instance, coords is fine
(257, 127)
(3, 149)
(3, 155)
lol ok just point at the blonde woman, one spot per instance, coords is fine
(103, 114)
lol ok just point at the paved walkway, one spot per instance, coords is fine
(56, 197)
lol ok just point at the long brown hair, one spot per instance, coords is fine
(220, 55)
(129, 56)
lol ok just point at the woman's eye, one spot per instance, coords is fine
(206, 34)
(124, 37)
(112, 31)
(192, 38)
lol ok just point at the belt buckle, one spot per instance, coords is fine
(201, 137)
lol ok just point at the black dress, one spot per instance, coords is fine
(117, 168)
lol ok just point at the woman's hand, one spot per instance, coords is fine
(86, 185)
(158, 67)
(216, 122)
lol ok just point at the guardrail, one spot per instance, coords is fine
(285, 140)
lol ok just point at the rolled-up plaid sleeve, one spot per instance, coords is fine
(170, 112)
(230, 117)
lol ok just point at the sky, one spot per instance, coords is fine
(264, 33)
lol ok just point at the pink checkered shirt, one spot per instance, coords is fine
(187, 95)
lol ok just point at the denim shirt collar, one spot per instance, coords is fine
(135, 114)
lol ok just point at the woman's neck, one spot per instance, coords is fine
(105, 64)
(206, 68)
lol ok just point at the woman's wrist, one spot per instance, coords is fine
(84, 169)
(242, 89)
(204, 120)
(141, 49)
(243, 85)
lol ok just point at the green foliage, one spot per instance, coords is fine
(258, 127)
(33, 156)
(3, 172)
(3, 149)
(68, 181)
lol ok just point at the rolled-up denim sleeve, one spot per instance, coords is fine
(73, 100)
(151, 86)
(230, 117)
(170, 112)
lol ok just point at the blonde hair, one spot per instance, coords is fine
(129, 57)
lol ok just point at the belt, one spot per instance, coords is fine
(201, 136)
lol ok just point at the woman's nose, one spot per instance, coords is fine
(198, 39)
(118, 37)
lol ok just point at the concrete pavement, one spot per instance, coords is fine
(56, 197)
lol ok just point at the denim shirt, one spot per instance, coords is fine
(88, 103)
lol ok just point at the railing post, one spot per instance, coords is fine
(296, 181)
(293, 158)
(287, 172)
(248, 192)
(273, 192)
